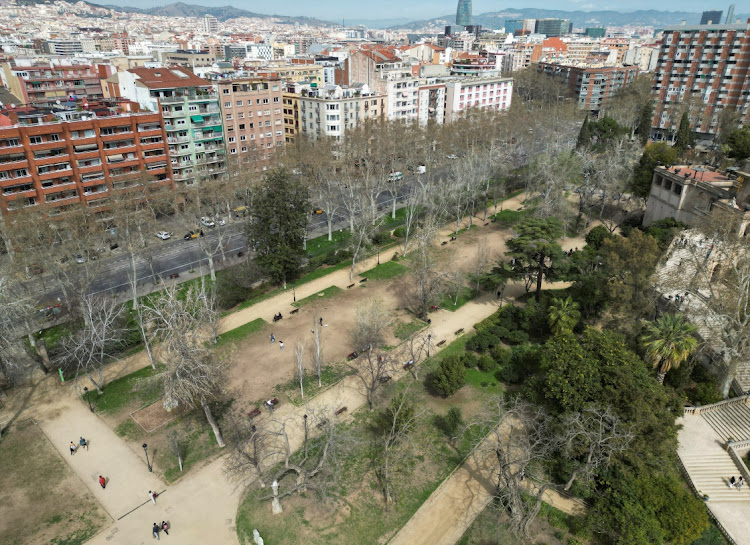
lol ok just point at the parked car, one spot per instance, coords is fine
(317, 210)
(208, 222)
(222, 222)
(193, 234)
(163, 235)
(395, 176)
(79, 258)
(451, 156)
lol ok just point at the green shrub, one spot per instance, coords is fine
(517, 337)
(469, 360)
(597, 235)
(486, 363)
(482, 341)
(522, 364)
(399, 232)
(501, 355)
(451, 422)
(449, 377)
(381, 237)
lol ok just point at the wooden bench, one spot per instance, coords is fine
(350, 286)
(352, 356)
(255, 412)
(444, 243)
(363, 281)
(295, 311)
(486, 224)
(341, 410)
(459, 331)
(441, 343)
(454, 239)
(277, 317)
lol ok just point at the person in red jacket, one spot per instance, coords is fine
(102, 481)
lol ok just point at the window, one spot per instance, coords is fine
(269, 144)
(268, 112)
(265, 101)
(257, 101)
(278, 133)
(268, 123)
(260, 112)
(277, 111)
(242, 126)
(227, 104)
(239, 103)
(226, 91)
(35, 139)
(275, 99)
(251, 125)
(231, 139)
(268, 134)
(252, 137)
(244, 149)
(241, 115)
(229, 117)
(54, 137)
(243, 137)
(232, 151)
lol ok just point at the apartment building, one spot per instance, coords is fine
(431, 103)
(192, 117)
(290, 109)
(486, 93)
(590, 86)
(333, 110)
(190, 58)
(42, 84)
(702, 69)
(69, 157)
(553, 27)
(312, 73)
(402, 90)
(253, 116)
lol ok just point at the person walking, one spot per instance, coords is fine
(731, 482)
(321, 322)
(83, 443)
(72, 448)
(152, 496)
(281, 345)
(165, 527)
(155, 531)
(740, 482)
(272, 338)
(102, 482)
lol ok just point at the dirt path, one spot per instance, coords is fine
(452, 508)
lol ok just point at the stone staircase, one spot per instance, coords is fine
(730, 420)
(710, 474)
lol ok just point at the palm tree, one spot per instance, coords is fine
(563, 314)
(668, 342)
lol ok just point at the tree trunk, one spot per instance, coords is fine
(212, 423)
(329, 219)
(211, 266)
(660, 376)
(393, 209)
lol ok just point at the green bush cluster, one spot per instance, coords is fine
(381, 237)
(399, 232)
(450, 375)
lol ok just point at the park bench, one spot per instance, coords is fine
(486, 224)
(350, 286)
(363, 281)
(444, 243)
(454, 238)
(255, 412)
(295, 311)
(352, 356)
(441, 343)
(459, 331)
(341, 410)
(408, 364)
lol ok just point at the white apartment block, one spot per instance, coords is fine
(486, 93)
(260, 51)
(431, 103)
(402, 90)
(333, 110)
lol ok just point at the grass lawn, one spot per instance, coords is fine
(404, 330)
(42, 500)
(485, 381)
(327, 293)
(241, 332)
(122, 391)
(506, 218)
(465, 295)
(712, 536)
(329, 374)
(320, 245)
(384, 271)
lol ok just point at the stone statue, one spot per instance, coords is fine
(275, 505)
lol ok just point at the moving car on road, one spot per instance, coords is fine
(193, 234)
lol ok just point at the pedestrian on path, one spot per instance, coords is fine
(281, 345)
(83, 443)
(72, 448)
(155, 531)
(102, 482)
(272, 338)
(152, 496)
(321, 322)
(740, 482)
(731, 482)
(165, 527)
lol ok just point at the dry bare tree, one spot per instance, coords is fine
(194, 373)
(176, 446)
(373, 367)
(98, 340)
(428, 282)
(482, 261)
(15, 324)
(299, 366)
(317, 348)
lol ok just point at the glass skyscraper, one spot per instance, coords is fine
(463, 13)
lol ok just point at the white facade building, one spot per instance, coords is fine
(333, 110)
(486, 93)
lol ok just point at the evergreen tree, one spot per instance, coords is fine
(278, 223)
(653, 155)
(684, 136)
(584, 135)
(644, 123)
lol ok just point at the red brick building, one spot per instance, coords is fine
(70, 157)
(701, 69)
(44, 84)
(590, 86)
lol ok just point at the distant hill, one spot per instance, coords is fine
(496, 19)
(222, 13)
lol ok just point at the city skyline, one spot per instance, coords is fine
(336, 10)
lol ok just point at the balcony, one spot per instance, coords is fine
(177, 139)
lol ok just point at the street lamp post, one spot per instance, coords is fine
(305, 417)
(378, 256)
(86, 393)
(145, 450)
(294, 291)
(429, 342)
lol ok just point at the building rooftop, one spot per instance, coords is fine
(162, 78)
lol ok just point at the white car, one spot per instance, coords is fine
(208, 222)
(451, 156)
(222, 222)
(395, 176)
(163, 235)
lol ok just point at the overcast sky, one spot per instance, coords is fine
(424, 9)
